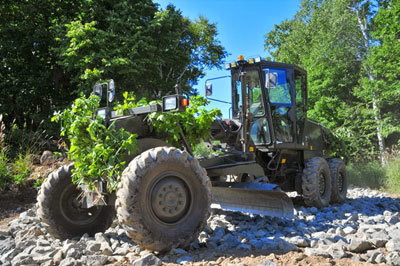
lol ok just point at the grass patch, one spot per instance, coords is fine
(371, 175)
(392, 171)
(374, 176)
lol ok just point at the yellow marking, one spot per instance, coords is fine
(283, 160)
(310, 148)
(251, 148)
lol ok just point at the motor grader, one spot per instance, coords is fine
(267, 147)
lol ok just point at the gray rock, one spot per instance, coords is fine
(359, 245)
(393, 258)
(261, 233)
(349, 230)
(57, 258)
(380, 258)
(379, 239)
(352, 218)
(184, 260)
(269, 244)
(22, 259)
(203, 236)
(101, 237)
(93, 246)
(74, 253)
(317, 252)
(394, 233)
(94, 260)
(70, 262)
(106, 249)
(373, 254)
(393, 245)
(267, 263)
(42, 250)
(285, 246)
(47, 158)
(256, 243)
(298, 241)
(42, 259)
(339, 231)
(4, 233)
(123, 250)
(6, 245)
(393, 219)
(337, 252)
(149, 259)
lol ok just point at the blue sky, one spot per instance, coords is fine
(241, 28)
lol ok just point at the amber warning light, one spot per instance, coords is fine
(185, 102)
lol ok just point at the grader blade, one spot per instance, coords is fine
(253, 198)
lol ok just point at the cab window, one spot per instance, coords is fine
(277, 85)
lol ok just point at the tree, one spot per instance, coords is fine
(51, 51)
(31, 83)
(384, 63)
(144, 50)
(332, 40)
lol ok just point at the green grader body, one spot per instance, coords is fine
(267, 148)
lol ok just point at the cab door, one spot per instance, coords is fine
(280, 94)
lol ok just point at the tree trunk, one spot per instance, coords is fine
(362, 23)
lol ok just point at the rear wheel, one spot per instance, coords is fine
(163, 200)
(339, 180)
(316, 183)
(59, 208)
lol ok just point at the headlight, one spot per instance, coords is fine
(174, 103)
(101, 112)
(170, 103)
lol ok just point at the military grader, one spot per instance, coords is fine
(267, 147)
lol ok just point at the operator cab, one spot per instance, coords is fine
(276, 100)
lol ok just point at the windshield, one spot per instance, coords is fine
(254, 92)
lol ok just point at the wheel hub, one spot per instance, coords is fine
(170, 199)
(71, 210)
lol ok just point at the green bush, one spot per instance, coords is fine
(21, 168)
(201, 150)
(98, 152)
(370, 174)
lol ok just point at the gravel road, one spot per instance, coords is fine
(366, 229)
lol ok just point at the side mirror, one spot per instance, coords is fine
(271, 80)
(98, 90)
(111, 91)
(208, 88)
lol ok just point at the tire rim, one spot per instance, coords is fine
(340, 182)
(70, 208)
(170, 198)
(322, 185)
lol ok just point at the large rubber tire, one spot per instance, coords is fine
(316, 183)
(60, 213)
(339, 180)
(163, 199)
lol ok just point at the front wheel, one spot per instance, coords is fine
(59, 208)
(316, 183)
(163, 200)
